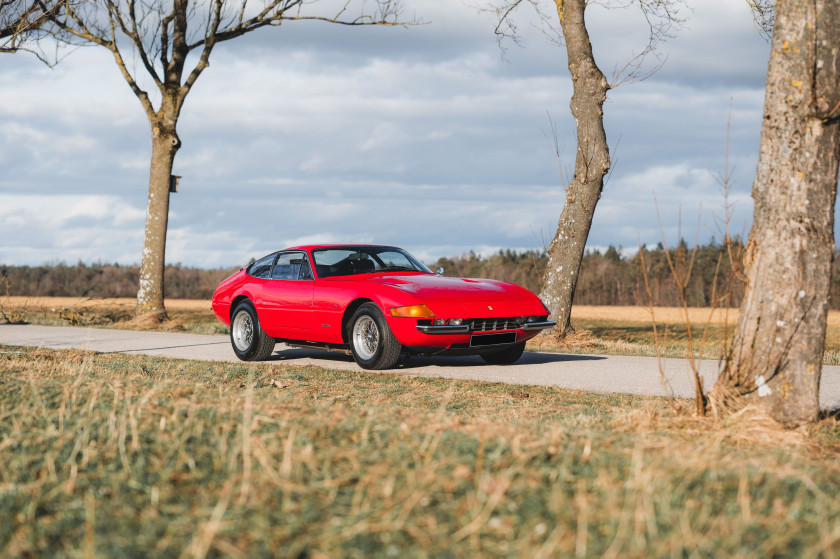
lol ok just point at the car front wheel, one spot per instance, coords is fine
(507, 356)
(371, 340)
(249, 341)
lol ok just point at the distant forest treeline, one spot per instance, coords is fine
(609, 279)
(105, 280)
(606, 278)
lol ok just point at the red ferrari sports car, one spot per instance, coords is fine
(376, 302)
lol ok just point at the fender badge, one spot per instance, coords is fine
(489, 307)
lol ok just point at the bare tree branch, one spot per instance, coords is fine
(204, 61)
(764, 15)
(162, 35)
(662, 17)
(136, 37)
(22, 24)
(71, 27)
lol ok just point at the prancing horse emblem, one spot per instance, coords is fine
(489, 307)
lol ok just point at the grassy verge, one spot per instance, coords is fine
(611, 337)
(124, 456)
(193, 316)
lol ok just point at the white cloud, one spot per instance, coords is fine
(37, 228)
(678, 197)
(421, 137)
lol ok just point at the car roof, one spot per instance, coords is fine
(336, 245)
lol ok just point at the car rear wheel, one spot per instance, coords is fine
(371, 340)
(506, 356)
(249, 341)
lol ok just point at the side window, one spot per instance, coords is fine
(305, 269)
(291, 266)
(262, 267)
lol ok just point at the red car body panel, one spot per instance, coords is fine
(317, 310)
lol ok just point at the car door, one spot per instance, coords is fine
(287, 297)
(331, 294)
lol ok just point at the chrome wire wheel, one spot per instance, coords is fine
(243, 331)
(365, 337)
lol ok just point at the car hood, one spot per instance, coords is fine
(469, 297)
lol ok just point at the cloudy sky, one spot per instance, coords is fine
(425, 137)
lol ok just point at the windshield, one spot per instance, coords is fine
(348, 261)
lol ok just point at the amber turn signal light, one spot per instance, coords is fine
(413, 311)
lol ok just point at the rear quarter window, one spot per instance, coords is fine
(262, 267)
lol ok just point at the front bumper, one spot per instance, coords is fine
(465, 328)
(428, 338)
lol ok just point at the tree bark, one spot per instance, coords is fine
(776, 358)
(592, 161)
(165, 144)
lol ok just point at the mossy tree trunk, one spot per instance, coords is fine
(592, 162)
(776, 359)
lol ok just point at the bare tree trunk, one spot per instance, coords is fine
(165, 144)
(776, 359)
(592, 162)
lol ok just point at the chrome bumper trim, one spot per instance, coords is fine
(465, 328)
(448, 329)
(539, 325)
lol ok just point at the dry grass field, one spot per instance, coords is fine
(185, 315)
(670, 315)
(111, 455)
(629, 331)
(46, 303)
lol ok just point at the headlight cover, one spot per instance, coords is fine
(448, 321)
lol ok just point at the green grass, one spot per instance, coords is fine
(132, 456)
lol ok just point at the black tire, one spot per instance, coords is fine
(507, 356)
(249, 341)
(371, 340)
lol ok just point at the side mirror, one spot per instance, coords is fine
(439, 271)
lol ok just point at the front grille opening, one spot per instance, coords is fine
(488, 324)
(497, 323)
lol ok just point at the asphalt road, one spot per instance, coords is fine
(594, 373)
